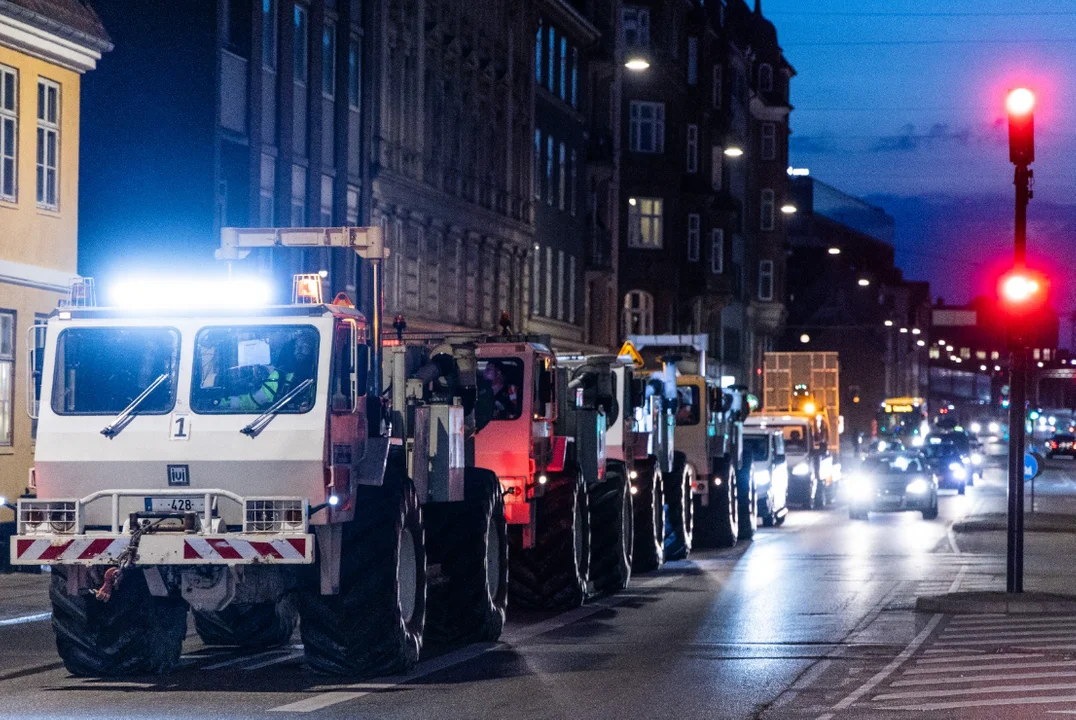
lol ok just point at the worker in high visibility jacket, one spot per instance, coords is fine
(295, 364)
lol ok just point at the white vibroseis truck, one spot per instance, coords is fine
(243, 462)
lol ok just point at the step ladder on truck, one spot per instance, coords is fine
(245, 462)
(722, 506)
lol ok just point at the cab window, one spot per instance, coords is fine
(246, 370)
(102, 370)
(688, 412)
(500, 386)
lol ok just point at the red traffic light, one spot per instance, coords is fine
(1022, 291)
(1020, 105)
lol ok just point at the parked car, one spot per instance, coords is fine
(947, 465)
(1061, 445)
(894, 482)
(765, 450)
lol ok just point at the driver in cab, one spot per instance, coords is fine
(294, 364)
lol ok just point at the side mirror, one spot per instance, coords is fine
(545, 386)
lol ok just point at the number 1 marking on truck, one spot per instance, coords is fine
(180, 427)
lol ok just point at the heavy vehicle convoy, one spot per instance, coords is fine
(252, 464)
(719, 502)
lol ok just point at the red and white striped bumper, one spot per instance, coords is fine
(163, 549)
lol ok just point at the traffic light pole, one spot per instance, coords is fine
(1014, 569)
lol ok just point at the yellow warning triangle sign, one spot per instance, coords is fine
(628, 349)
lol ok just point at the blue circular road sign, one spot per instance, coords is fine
(1032, 465)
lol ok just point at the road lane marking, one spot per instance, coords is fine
(984, 678)
(1010, 641)
(998, 666)
(26, 619)
(471, 652)
(987, 620)
(244, 659)
(959, 576)
(952, 539)
(889, 669)
(996, 702)
(956, 692)
(981, 632)
(999, 656)
(273, 661)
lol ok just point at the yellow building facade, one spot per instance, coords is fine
(45, 47)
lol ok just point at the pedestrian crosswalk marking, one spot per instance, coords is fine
(952, 658)
(954, 692)
(991, 678)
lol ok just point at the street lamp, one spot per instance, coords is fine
(834, 251)
(733, 151)
(805, 338)
(637, 64)
(889, 323)
(788, 209)
(864, 282)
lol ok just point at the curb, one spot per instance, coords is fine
(978, 603)
(1033, 522)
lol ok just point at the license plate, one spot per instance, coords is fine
(176, 504)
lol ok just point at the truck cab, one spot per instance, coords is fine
(812, 475)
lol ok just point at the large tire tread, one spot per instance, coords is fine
(679, 511)
(649, 508)
(611, 532)
(249, 625)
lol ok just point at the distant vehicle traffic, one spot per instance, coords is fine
(903, 419)
(1061, 445)
(947, 465)
(896, 482)
(764, 450)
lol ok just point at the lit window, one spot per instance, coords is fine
(575, 77)
(995, 355)
(638, 313)
(328, 61)
(692, 61)
(299, 44)
(298, 196)
(765, 280)
(769, 141)
(354, 76)
(571, 289)
(935, 353)
(647, 130)
(48, 144)
(563, 68)
(549, 282)
(768, 208)
(965, 353)
(980, 355)
(537, 164)
(267, 192)
(645, 223)
(636, 26)
(692, 148)
(549, 170)
(765, 78)
(9, 128)
(562, 180)
(326, 215)
(560, 285)
(551, 77)
(538, 52)
(269, 34)
(574, 179)
(717, 251)
(694, 233)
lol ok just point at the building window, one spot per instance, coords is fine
(768, 209)
(326, 216)
(715, 89)
(562, 180)
(717, 251)
(300, 44)
(644, 223)
(692, 148)
(298, 196)
(536, 282)
(328, 61)
(575, 77)
(549, 282)
(354, 70)
(717, 167)
(563, 68)
(48, 144)
(965, 354)
(981, 355)
(647, 131)
(267, 192)
(560, 285)
(574, 179)
(9, 132)
(538, 52)
(694, 233)
(352, 207)
(269, 34)
(7, 377)
(638, 313)
(236, 27)
(995, 355)
(636, 24)
(537, 164)
(551, 51)
(571, 289)
(765, 280)
(692, 61)
(765, 78)
(935, 353)
(769, 141)
(549, 170)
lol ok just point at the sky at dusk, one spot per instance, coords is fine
(902, 102)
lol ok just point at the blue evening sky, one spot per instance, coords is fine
(902, 101)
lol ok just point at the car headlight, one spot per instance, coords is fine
(976, 428)
(801, 469)
(860, 489)
(977, 458)
(958, 471)
(993, 427)
(918, 486)
(762, 478)
(917, 441)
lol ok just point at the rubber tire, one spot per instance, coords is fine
(679, 510)
(717, 525)
(362, 631)
(134, 633)
(553, 574)
(649, 509)
(811, 503)
(932, 513)
(612, 532)
(249, 625)
(468, 602)
(819, 501)
(962, 489)
(768, 518)
(748, 509)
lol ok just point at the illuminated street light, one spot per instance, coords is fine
(1040, 363)
(637, 64)
(864, 282)
(805, 338)
(834, 251)
(788, 209)
(941, 342)
(983, 368)
(921, 343)
(948, 348)
(904, 331)
(889, 323)
(916, 331)
(632, 202)
(733, 151)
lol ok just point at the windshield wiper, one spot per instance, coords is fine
(259, 423)
(120, 421)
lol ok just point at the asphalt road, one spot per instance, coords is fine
(813, 620)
